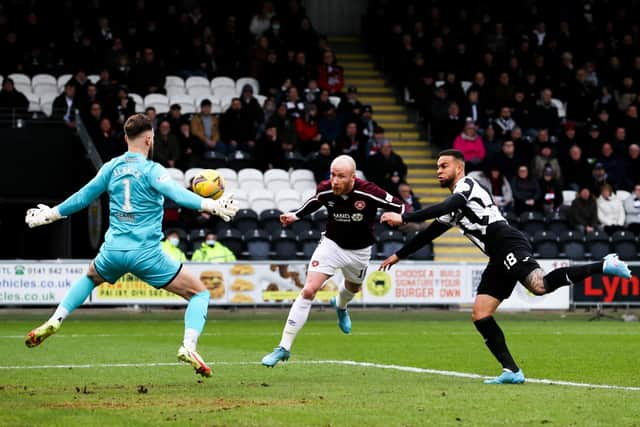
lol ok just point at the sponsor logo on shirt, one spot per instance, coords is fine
(341, 217)
(357, 217)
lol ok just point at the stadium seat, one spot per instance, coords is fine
(46, 108)
(424, 253)
(189, 175)
(302, 225)
(223, 92)
(320, 219)
(624, 244)
(93, 78)
(47, 79)
(177, 175)
(34, 102)
(196, 81)
(212, 159)
(242, 197)
(42, 88)
(160, 107)
(568, 196)
(197, 236)
(251, 178)
(62, 80)
(47, 97)
(222, 81)
(284, 243)
(260, 98)
(23, 88)
(246, 220)
(246, 81)
(545, 244)
(288, 200)
(466, 85)
(512, 218)
(270, 220)
(175, 91)
(562, 112)
(230, 177)
(294, 160)
(174, 81)
(156, 98)
(20, 79)
(262, 203)
(335, 100)
(360, 174)
(597, 244)
(557, 222)
(307, 194)
(390, 242)
(276, 179)
(309, 241)
(302, 179)
(531, 222)
(572, 244)
(258, 245)
(232, 238)
(200, 92)
(137, 99)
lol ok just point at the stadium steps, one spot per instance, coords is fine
(360, 71)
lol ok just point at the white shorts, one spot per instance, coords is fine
(328, 257)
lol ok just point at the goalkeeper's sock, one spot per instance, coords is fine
(195, 317)
(297, 318)
(76, 295)
(344, 297)
(494, 339)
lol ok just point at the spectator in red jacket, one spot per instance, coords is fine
(471, 145)
(330, 75)
(308, 131)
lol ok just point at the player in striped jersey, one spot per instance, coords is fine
(352, 204)
(471, 208)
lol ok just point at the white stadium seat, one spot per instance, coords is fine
(34, 102)
(288, 200)
(307, 194)
(217, 82)
(242, 197)
(20, 78)
(224, 92)
(160, 107)
(46, 107)
(260, 99)
(200, 91)
(335, 100)
(175, 90)
(177, 175)
(261, 200)
(42, 88)
(23, 87)
(173, 81)
(44, 79)
(287, 194)
(247, 81)
(62, 80)
(568, 196)
(189, 175)
(302, 179)
(250, 178)
(47, 97)
(196, 81)
(154, 98)
(228, 174)
(186, 103)
(562, 113)
(276, 179)
(136, 98)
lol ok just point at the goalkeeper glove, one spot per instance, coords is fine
(225, 207)
(42, 215)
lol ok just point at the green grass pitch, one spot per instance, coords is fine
(297, 393)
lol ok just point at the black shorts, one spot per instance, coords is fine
(512, 262)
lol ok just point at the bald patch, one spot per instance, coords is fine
(344, 162)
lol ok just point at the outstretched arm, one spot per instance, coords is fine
(450, 204)
(435, 229)
(43, 214)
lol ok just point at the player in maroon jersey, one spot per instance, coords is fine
(352, 204)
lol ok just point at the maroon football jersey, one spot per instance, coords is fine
(351, 216)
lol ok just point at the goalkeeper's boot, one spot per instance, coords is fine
(613, 266)
(278, 354)
(41, 333)
(344, 321)
(507, 377)
(193, 358)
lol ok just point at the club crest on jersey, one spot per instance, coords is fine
(315, 263)
(359, 204)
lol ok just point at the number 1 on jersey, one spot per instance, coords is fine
(127, 195)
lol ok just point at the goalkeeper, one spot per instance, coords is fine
(136, 188)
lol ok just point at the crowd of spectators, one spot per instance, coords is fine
(540, 96)
(307, 119)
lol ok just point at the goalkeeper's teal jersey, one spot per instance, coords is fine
(136, 187)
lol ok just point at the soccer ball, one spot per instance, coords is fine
(208, 183)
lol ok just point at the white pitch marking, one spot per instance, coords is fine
(331, 362)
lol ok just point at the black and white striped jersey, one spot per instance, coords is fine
(478, 217)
